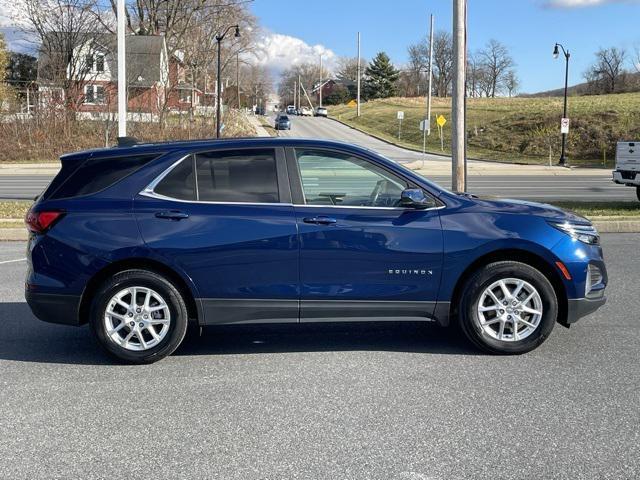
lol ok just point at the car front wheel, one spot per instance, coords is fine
(508, 308)
(138, 316)
(638, 192)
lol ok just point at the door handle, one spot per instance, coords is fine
(172, 215)
(322, 220)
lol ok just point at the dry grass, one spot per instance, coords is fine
(45, 138)
(519, 130)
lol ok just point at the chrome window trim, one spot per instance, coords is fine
(149, 191)
(157, 196)
(359, 207)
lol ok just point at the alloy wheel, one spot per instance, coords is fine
(137, 318)
(510, 310)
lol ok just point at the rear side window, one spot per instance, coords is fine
(246, 176)
(94, 175)
(180, 182)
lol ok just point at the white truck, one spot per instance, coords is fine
(627, 170)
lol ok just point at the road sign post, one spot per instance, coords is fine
(400, 118)
(441, 121)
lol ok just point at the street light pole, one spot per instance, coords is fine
(427, 129)
(567, 55)
(219, 39)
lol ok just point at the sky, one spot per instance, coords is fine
(529, 28)
(295, 31)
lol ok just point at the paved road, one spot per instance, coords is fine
(392, 402)
(539, 188)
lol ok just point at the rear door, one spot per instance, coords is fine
(362, 255)
(225, 219)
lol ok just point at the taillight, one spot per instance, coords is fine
(40, 222)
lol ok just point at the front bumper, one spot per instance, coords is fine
(581, 307)
(54, 308)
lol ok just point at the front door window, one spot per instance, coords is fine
(337, 179)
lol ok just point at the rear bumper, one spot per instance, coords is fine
(626, 177)
(54, 308)
(581, 307)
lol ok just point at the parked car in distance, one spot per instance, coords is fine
(321, 112)
(627, 170)
(282, 123)
(291, 109)
(140, 241)
(306, 112)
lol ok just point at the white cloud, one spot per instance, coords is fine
(14, 25)
(280, 52)
(583, 3)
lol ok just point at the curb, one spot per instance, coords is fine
(603, 226)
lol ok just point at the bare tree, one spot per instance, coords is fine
(347, 73)
(496, 63)
(511, 82)
(308, 73)
(474, 71)
(415, 73)
(68, 33)
(607, 73)
(442, 62)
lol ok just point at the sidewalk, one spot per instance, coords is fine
(260, 131)
(476, 168)
(48, 169)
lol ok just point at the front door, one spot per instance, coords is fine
(362, 255)
(225, 219)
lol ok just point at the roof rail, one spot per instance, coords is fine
(127, 141)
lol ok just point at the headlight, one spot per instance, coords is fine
(585, 233)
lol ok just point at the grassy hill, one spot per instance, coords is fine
(518, 130)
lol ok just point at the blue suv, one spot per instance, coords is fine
(138, 241)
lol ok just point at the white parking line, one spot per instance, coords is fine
(13, 261)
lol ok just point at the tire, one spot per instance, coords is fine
(638, 192)
(483, 329)
(167, 317)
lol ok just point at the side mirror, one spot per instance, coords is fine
(415, 198)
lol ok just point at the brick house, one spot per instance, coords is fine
(154, 79)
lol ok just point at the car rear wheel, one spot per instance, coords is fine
(138, 317)
(508, 308)
(638, 192)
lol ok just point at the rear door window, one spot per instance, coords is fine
(180, 182)
(94, 175)
(241, 176)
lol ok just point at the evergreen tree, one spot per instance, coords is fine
(381, 78)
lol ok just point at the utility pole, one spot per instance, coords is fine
(295, 90)
(320, 90)
(427, 130)
(458, 134)
(299, 102)
(358, 95)
(122, 73)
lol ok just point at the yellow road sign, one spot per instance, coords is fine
(441, 121)
(352, 103)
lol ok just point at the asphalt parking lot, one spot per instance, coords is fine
(392, 401)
